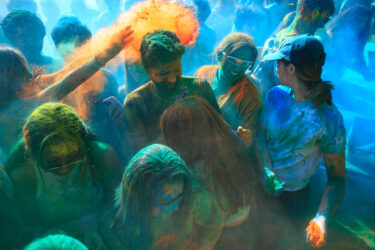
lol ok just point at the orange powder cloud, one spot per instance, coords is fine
(144, 17)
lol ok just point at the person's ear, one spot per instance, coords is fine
(291, 69)
(220, 55)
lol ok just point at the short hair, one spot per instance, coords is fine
(160, 47)
(21, 18)
(204, 9)
(56, 242)
(323, 5)
(69, 27)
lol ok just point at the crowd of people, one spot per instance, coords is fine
(205, 147)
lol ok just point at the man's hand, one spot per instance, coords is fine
(118, 41)
(316, 231)
(245, 135)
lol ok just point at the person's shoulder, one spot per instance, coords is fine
(194, 81)
(329, 112)
(138, 94)
(19, 166)
(101, 152)
(280, 91)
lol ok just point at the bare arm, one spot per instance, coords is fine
(76, 77)
(333, 194)
(335, 188)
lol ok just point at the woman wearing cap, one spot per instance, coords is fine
(301, 127)
(236, 94)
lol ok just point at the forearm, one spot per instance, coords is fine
(335, 189)
(332, 198)
(75, 78)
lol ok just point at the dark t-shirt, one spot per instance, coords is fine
(145, 105)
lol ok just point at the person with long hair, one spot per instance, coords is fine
(63, 178)
(213, 151)
(302, 126)
(20, 92)
(309, 17)
(160, 206)
(238, 97)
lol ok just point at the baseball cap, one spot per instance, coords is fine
(301, 50)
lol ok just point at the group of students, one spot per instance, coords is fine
(213, 161)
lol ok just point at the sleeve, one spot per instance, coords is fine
(250, 110)
(265, 107)
(333, 140)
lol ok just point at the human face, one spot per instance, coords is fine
(60, 158)
(165, 76)
(320, 18)
(167, 198)
(235, 64)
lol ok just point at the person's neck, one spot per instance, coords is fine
(301, 26)
(34, 58)
(300, 91)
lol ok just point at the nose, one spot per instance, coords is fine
(172, 78)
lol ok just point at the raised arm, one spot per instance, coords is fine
(76, 77)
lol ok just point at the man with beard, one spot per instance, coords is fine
(161, 53)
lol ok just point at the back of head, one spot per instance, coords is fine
(197, 132)
(56, 242)
(14, 71)
(22, 19)
(69, 28)
(309, 6)
(160, 47)
(235, 41)
(50, 122)
(204, 10)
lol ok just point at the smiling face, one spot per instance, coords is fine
(235, 64)
(167, 198)
(165, 76)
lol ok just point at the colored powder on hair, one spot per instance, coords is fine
(144, 17)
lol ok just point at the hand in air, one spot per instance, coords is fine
(118, 41)
(245, 135)
(122, 37)
(316, 231)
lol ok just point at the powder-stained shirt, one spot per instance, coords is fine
(298, 134)
(144, 106)
(241, 102)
